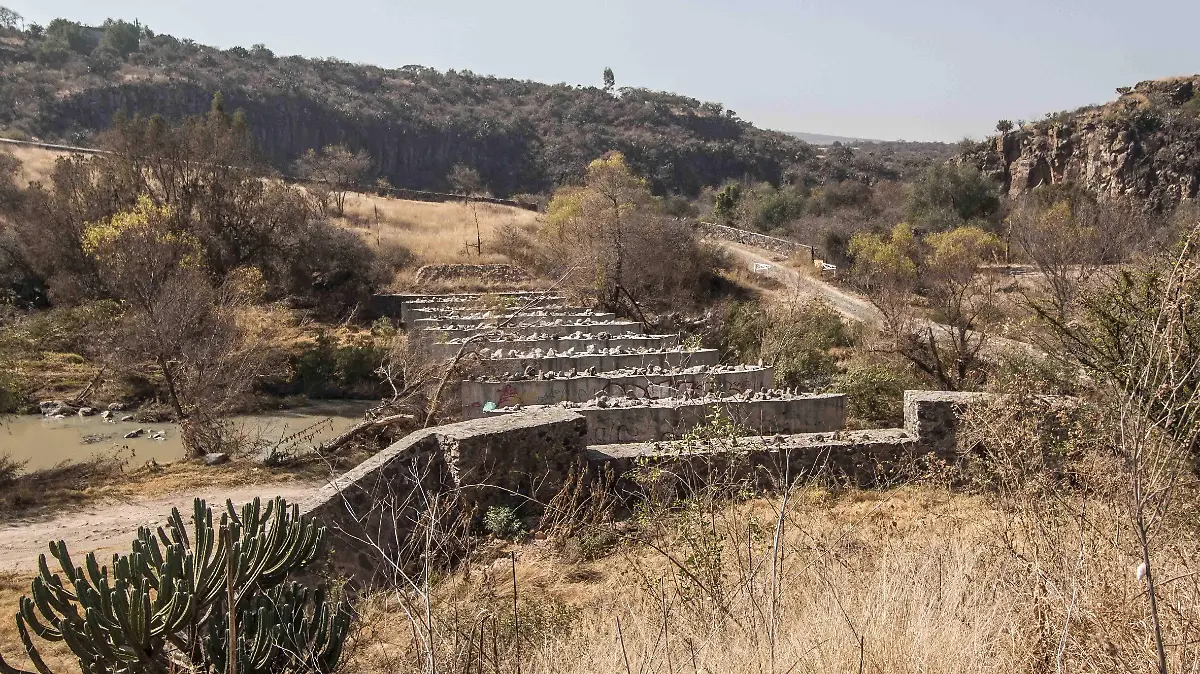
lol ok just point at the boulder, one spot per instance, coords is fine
(215, 458)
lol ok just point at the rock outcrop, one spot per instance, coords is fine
(1144, 146)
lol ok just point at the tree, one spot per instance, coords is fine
(69, 35)
(946, 268)
(205, 172)
(466, 181)
(1004, 126)
(610, 239)
(333, 171)
(610, 80)
(10, 19)
(949, 196)
(121, 37)
(1068, 236)
(176, 319)
(726, 203)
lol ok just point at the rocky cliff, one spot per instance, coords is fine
(1144, 146)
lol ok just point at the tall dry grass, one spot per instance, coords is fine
(897, 581)
(434, 232)
(36, 164)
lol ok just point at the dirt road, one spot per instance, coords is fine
(849, 305)
(108, 528)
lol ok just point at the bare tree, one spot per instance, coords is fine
(1068, 241)
(174, 318)
(333, 171)
(466, 181)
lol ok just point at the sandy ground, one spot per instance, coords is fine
(110, 527)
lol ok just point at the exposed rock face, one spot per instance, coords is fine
(1144, 146)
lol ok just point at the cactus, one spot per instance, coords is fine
(157, 607)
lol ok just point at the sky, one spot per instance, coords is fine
(888, 69)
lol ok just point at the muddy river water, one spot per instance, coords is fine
(44, 443)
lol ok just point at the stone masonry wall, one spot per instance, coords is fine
(748, 238)
(373, 509)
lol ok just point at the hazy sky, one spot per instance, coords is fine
(915, 69)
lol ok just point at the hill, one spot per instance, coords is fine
(1144, 145)
(65, 83)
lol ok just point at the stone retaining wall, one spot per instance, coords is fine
(465, 467)
(662, 421)
(672, 384)
(748, 238)
(537, 327)
(563, 344)
(573, 317)
(606, 362)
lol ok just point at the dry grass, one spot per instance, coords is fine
(434, 232)
(896, 581)
(36, 163)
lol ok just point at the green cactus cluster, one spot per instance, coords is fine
(165, 605)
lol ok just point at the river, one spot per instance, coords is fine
(45, 443)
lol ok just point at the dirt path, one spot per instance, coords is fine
(849, 305)
(108, 528)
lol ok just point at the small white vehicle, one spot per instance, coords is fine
(761, 267)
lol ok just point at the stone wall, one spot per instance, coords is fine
(524, 392)
(466, 320)
(577, 345)
(865, 458)
(534, 327)
(603, 362)
(646, 421)
(748, 238)
(932, 417)
(372, 510)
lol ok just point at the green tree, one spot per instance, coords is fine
(122, 37)
(726, 203)
(948, 196)
(68, 34)
(610, 80)
(946, 269)
(1004, 126)
(10, 19)
(609, 238)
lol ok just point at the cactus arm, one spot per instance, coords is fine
(31, 652)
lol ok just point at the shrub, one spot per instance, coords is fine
(502, 522)
(874, 393)
(328, 269)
